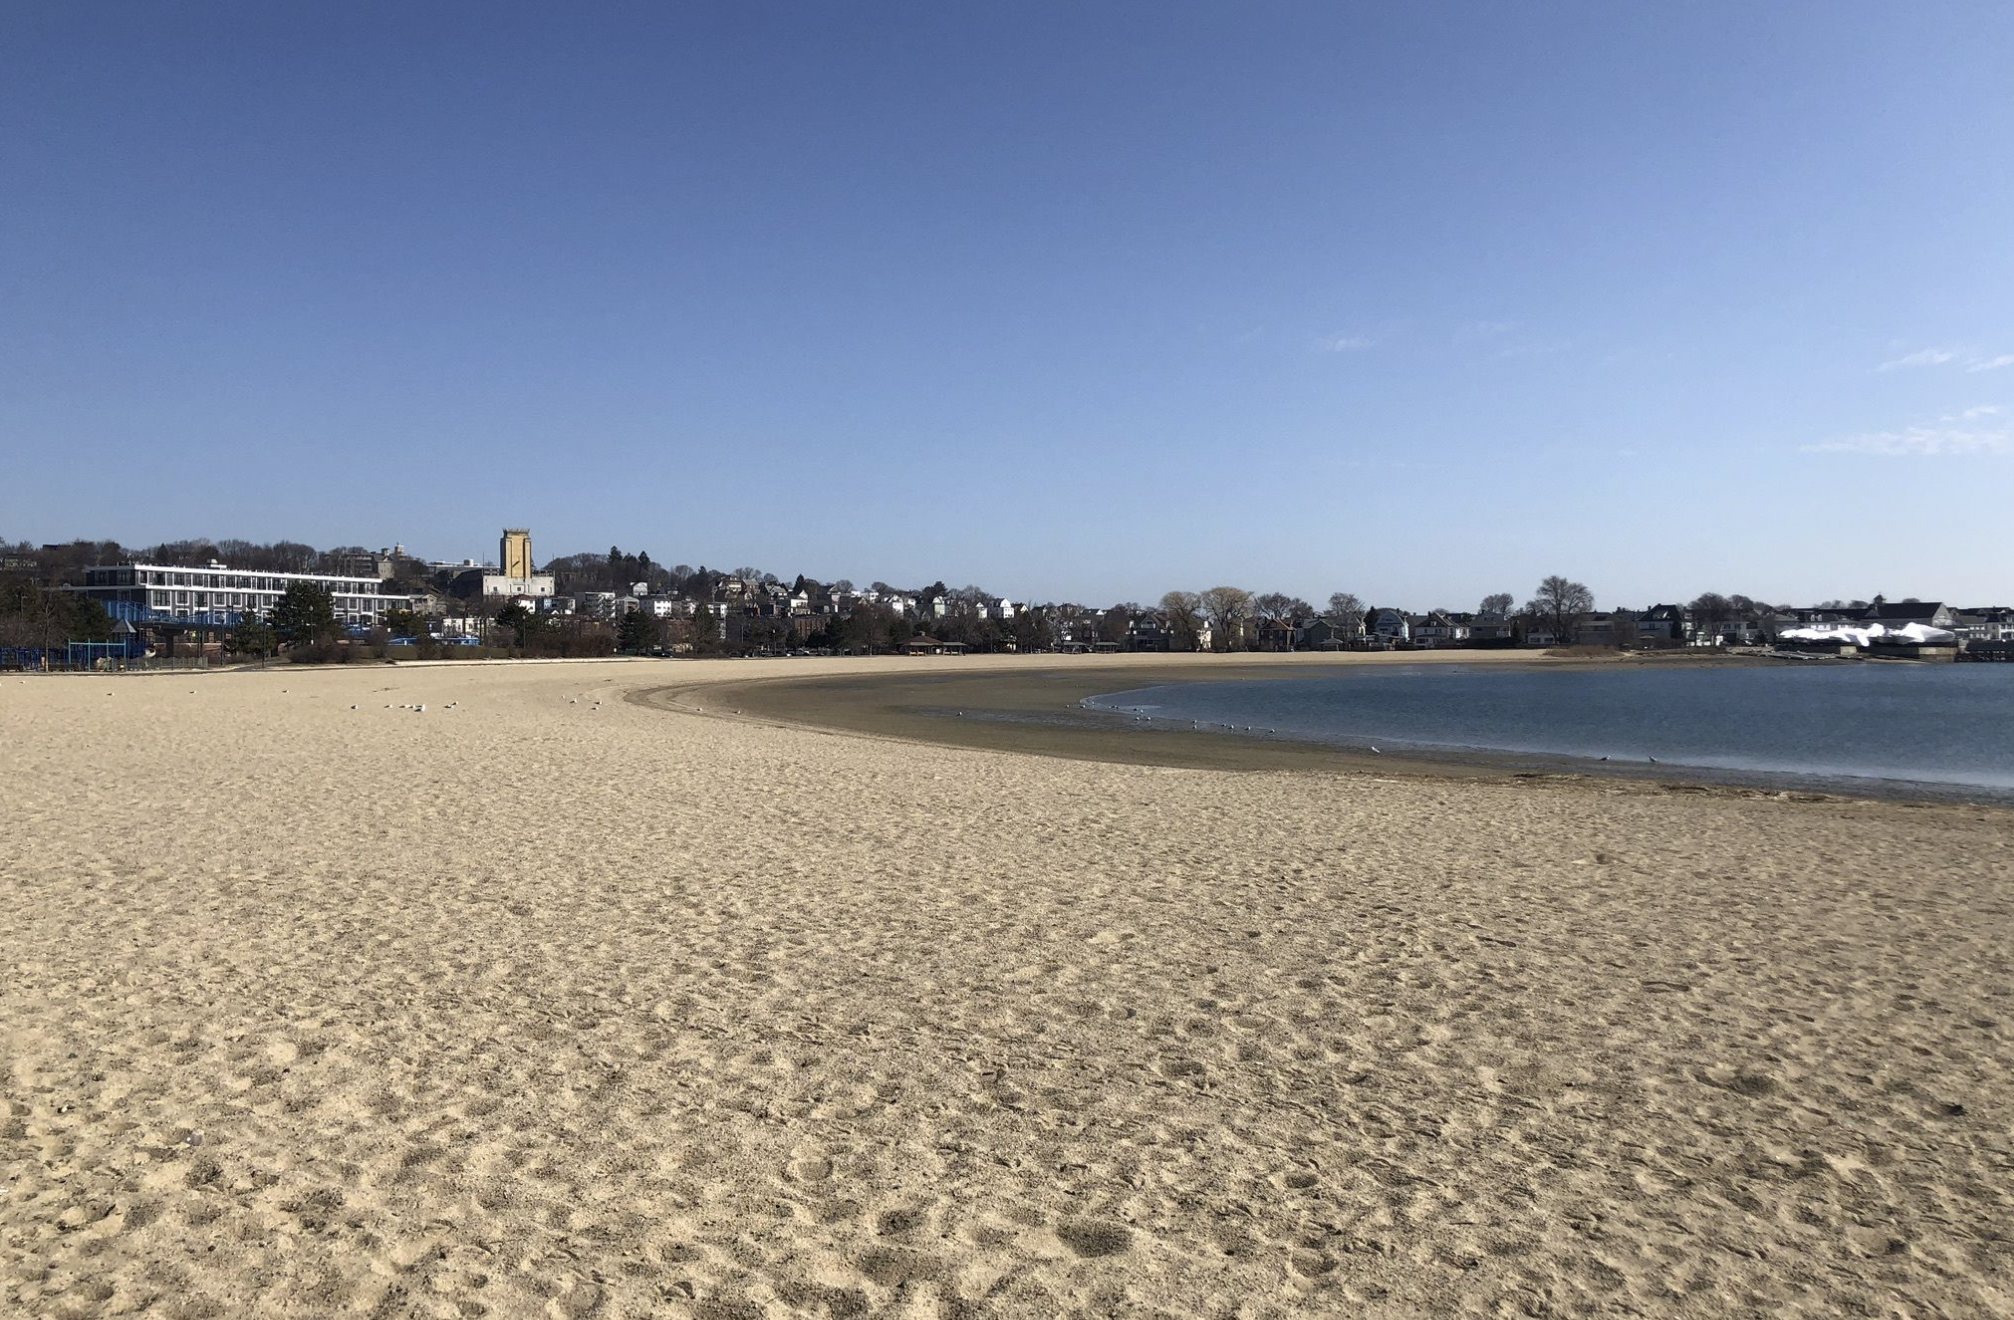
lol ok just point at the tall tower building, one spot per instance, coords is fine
(514, 553)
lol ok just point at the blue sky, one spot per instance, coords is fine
(1419, 301)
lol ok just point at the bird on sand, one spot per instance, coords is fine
(1376, 752)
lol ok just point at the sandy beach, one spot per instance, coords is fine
(561, 999)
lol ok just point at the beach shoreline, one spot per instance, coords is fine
(1036, 705)
(486, 991)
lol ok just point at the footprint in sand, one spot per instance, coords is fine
(1091, 1239)
(808, 1166)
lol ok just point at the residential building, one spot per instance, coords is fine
(1387, 625)
(1901, 613)
(218, 596)
(1985, 623)
(1491, 629)
(1440, 628)
(1322, 634)
(1661, 623)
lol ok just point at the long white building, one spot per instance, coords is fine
(218, 594)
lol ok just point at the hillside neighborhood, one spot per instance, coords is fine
(63, 605)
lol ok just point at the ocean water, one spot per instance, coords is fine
(1818, 724)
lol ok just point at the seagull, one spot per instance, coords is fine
(1376, 752)
(1604, 758)
(1653, 760)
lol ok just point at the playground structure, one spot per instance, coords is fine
(74, 656)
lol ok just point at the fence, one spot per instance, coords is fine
(74, 656)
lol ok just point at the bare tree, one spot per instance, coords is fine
(1710, 613)
(1560, 605)
(1343, 605)
(1497, 605)
(1185, 613)
(1282, 611)
(1227, 609)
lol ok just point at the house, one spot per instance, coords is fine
(1661, 623)
(1440, 628)
(1985, 623)
(1276, 634)
(1901, 613)
(1387, 625)
(1332, 634)
(1491, 630)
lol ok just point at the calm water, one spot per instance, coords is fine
(1923, 724)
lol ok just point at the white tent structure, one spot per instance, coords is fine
(1910, 634)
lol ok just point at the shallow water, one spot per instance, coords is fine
(1947, 725)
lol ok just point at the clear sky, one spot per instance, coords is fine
(1072, 301)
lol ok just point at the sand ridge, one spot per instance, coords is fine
(553, 1004)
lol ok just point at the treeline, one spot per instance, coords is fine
(64, 564)
(33, 616)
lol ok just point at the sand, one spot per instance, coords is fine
(557, 1004)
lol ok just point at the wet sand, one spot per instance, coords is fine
(1033, 706)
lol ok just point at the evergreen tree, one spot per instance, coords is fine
(405, 623)
(705, 629)
(637, 632)
(516, 618)
(253, 636)
(303, 613)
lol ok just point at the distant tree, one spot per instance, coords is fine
(1185, 616)
(1281, 610)
(1278, 607)
(1561, 605)
(1498, 605)
(402, 622)
(304, 613)
(518, 619)
(30, 616)
(1345, 606)
(637, 632)
(1116, 622)
(1710, 612)
(705, 630)
(252, 636)
(844, 586)
(88, 621)
(1228, 609)
(1034, 628)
